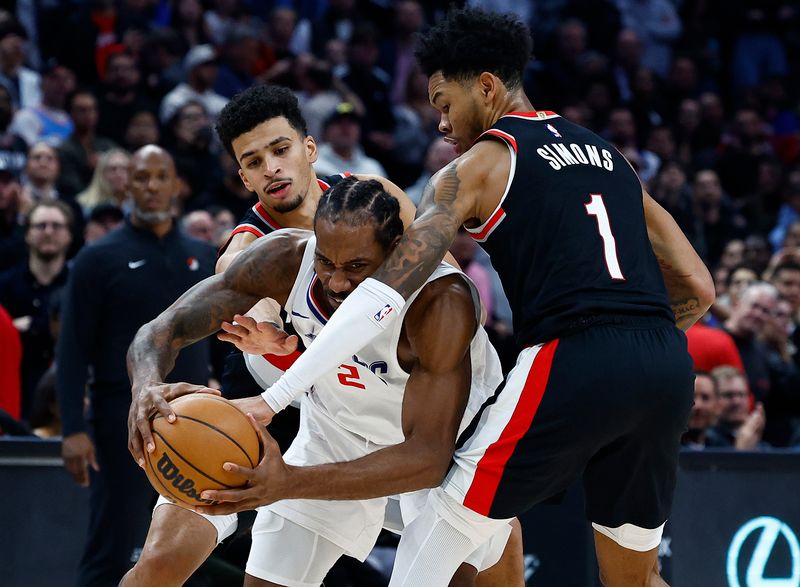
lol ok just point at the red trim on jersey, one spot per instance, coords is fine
(323, 184)
(282, 362)
(490, 468)
(532, 113)
(503, 135)
(490, 225)
(242, 228)
(259, 209)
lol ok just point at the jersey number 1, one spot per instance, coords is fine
(597, 208)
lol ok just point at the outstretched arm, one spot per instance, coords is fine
(689, 284)
(266, 269)
(467, 188)
(439, 327)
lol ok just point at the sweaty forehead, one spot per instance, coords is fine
(343, 239)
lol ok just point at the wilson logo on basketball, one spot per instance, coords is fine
(171, 473)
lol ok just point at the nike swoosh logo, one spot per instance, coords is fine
(300, 315)
(136, 264)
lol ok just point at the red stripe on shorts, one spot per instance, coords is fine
(490, 468)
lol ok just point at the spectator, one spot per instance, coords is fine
(671, 189)
(341, 149)
(221, 19)
(704, 411)
(738, 279)
(746, 325)
(142, 130)
(110, 294)
(80, 152)
(758, 52)
(231, 194)
(192, 147)
(715, 211)
(199, 225)
(711, 348)
(26, 289)
(12, 147)
(22, 83)
(439, 154)
(121, 96)
(336, 23)
(782, 406)
(736, 428)
(786, 279)
(12, 233)
(278, 58)
(372, 85)
(628, 62)
(200, 65)
(320, 93)
(187, 19)
(756, 252)
(110, 182)
(788, 213)
(48, 121)
(398, 52)
(239, 58)
(742, 152)
(657, 25)
(622, 133)
(102, 219)
(560, 79)
(732, 254)
(39, 185)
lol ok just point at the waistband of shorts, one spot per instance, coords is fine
(633, 321)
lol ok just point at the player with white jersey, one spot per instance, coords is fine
(384, 422)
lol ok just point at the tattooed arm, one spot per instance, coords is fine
(689, 284)
(266, 269)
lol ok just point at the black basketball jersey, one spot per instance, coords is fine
(258, 221)
(569, 238)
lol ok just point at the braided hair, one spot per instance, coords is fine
(359, 202)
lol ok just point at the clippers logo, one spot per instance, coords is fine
(774, 539)
(387, 309)
(553, 130)
(171, 474)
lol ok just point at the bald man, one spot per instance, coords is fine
(121, 282)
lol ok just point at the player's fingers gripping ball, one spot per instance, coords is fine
(208, 432)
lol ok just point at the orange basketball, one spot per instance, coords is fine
(208, 432)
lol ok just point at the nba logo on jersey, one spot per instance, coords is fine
(193, 264)
(553, 130)
(387, 309)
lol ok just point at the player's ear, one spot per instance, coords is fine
(311, 149)
(246, 183)
(488, 85)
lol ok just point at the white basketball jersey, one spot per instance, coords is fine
(365, 394)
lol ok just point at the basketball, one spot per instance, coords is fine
(208, 432)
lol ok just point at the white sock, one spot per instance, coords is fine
(372, 307)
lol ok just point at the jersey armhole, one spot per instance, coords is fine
(482, 232)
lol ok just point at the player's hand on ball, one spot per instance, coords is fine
(148, 400)
(257, 338)
(266, 483)
(257, 407)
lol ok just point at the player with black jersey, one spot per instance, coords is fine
(598, 276)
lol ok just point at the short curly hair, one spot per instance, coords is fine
(470, 41)
(255, 105)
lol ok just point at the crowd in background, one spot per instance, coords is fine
(701, 96)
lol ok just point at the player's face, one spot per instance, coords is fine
(275, 162)
(460, 110)
(345, 256)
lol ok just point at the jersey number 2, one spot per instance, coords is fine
(597, 208)
(351, 377)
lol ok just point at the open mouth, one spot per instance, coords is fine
(279, 189)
